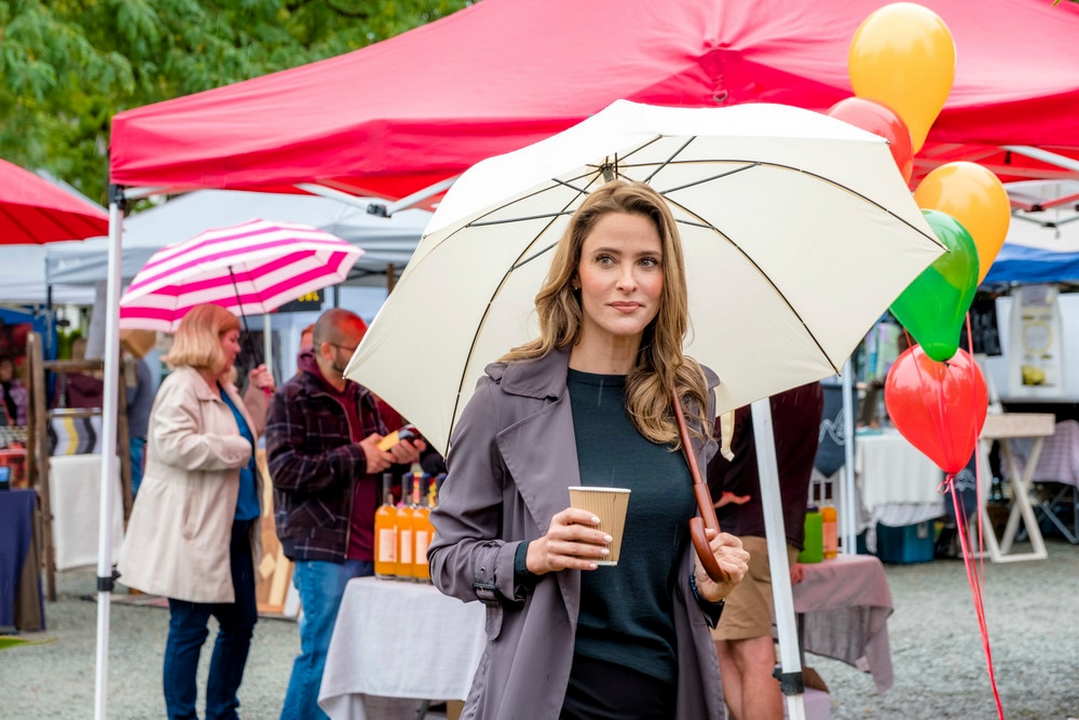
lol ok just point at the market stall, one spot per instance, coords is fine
(445, 116)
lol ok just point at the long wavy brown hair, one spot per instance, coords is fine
(660, 364)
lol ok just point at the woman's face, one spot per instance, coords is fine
(621, 275)
(7, 371)
(230, 346)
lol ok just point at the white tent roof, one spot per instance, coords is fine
(384, 240)
(22, 279)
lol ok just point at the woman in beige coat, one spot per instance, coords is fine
(193, 534)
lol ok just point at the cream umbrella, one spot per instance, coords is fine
(798, 233)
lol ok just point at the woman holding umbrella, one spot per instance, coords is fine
(193, 533)
(589, 403)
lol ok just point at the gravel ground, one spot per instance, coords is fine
(1032, 609)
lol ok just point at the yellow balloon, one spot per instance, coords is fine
(903, 57)
(974, 196)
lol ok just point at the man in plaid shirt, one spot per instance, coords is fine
(322, 446)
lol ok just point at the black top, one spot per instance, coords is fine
(796, 417)
(625, 614)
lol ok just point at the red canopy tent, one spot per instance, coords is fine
(400, 115)
(35, 211)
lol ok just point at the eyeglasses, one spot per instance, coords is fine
(351, 350)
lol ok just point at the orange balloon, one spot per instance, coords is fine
(974, 196)
(903, 57)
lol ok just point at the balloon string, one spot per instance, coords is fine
(976, 593)
(977, 465)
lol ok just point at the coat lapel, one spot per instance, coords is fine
(540, 450)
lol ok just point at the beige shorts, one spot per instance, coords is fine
(748, 610)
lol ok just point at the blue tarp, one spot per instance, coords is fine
(1019, 263)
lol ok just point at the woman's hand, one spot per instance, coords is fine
(733, 561)
(571, 543)
(262, 379)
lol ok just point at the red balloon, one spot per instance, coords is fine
(879, 120)
(939, 406)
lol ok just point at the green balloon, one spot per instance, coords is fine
(934, 306)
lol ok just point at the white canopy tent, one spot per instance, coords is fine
(385, 240)
(23, 283)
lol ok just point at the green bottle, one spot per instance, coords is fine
(814, 537)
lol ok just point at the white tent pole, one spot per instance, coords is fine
(1045, 156)
(386, 210)
(847, 521)
(267, 342)
(108, 452)
(420, 195)
(776, 535)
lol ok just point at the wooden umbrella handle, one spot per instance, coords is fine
(705, 506)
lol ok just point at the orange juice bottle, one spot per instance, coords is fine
(421, 519)
(405, 543)
(386, 533)
(830, 530)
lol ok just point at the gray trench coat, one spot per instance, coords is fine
(513, 457)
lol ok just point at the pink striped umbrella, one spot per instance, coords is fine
(251, 268)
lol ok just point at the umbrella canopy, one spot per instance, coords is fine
(250, 268)
(798, 233)
(554, 69)
(35, 211)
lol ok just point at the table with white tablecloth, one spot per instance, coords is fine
(899, 484)
(74, 496)
(401, 640)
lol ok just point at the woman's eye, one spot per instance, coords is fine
(650, 262)
(604, 259)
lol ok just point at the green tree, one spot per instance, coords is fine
(67, 66)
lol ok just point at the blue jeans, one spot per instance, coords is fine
(187, 633)
(138, 461)
(321, 586)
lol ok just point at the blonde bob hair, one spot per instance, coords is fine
(660, 363)
(197, 342)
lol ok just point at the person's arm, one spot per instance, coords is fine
(174, 427)
(257, 401)
(468, 559)
(294, 470)
(712, 610)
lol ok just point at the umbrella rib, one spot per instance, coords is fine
(521, 219)
(634, 151)
(780, 166)
(596, 169)
(765, 276)
(506, 205)
(708, 179)
(571, 187)
(529, 259)
(666, 162)
(487, 309)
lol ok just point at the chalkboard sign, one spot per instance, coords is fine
(308, 302)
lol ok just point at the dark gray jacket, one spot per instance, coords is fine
(512, 458)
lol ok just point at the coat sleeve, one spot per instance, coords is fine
(293, 469)
(467, 558)
(174, 428)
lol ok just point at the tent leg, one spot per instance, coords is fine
(108, 450)
(776, 535)
(847, 520)
(267, 342)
